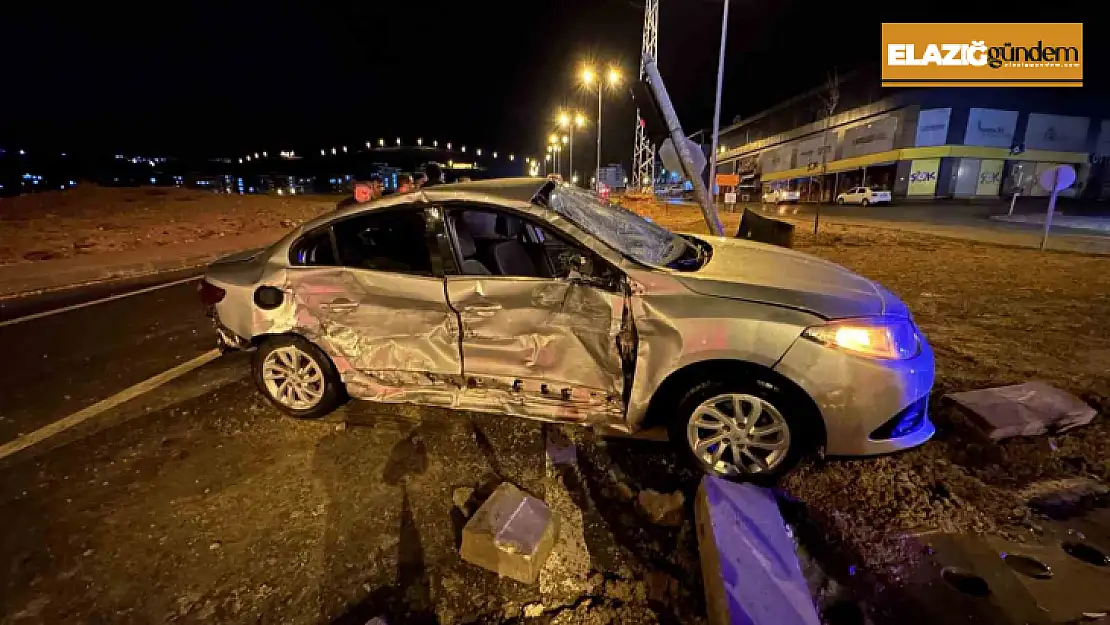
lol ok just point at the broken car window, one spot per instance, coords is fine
(389, 240)
(621, 229)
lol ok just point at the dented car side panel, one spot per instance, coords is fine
(676, 330)
(552, 342)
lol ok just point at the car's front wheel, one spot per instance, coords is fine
(741, 430)
(297, 377)
(840, 201)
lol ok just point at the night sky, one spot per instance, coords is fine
(227, 77)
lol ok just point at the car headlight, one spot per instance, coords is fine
(890, 338)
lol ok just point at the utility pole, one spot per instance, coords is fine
(717, 109)
(643, 155)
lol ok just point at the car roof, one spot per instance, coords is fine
(515, 189)
(507, 190)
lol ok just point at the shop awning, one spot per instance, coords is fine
(940, 151)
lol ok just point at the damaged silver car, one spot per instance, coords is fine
(529, 298)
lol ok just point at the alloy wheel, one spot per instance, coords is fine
(293, 378)
(737, 433)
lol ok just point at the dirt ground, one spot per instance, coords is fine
(217, 509)
(89, 219)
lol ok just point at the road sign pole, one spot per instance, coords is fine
(1051, 208)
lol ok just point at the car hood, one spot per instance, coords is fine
(741, 269)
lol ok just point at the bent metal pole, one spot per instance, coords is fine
(682, 147)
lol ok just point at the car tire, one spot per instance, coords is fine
(864, 202)
(796, 419)
(316, 392)
(840, 201)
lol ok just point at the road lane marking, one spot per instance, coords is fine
(79, 417)
(110, 298)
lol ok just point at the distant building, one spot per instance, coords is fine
(613, 176)
(923, 143)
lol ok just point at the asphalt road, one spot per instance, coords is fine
(198, 502)
(60, 363)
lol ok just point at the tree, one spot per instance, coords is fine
(830, 99)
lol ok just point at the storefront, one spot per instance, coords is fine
(970, 153)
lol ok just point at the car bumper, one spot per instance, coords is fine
(868, 406)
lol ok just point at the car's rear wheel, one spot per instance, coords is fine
(840, 201)
(297, 377)
(744, 430)
(864, 202)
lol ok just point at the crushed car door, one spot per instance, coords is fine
(384, 317)
(534, 328)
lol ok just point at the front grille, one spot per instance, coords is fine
(904, 423)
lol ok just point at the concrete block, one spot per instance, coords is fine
(511, 534)
(748, 562)
(1024, 409)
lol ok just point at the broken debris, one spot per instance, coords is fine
(1026, 409)
(511, 534)
(662, 508)
(749, 566)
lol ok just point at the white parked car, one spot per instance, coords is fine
(780, 196)
(863, 196)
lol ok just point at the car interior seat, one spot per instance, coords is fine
(510, 256)
(471, 266)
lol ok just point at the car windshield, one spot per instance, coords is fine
(619, 228)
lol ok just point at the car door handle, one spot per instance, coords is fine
(339, 305)
(482, 309)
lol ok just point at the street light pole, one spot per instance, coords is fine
(570, 156)
(597, 169)
(717, 108)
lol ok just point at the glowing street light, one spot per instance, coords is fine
(552, 139)
(511, 157)
(435, 143)
(464, 149)
(448, 146)
(589, 77)
(478, 152)
(344, 149)
(381, 143)
(495, 155)
(333, 151)
(565, 139)
(264, 155)
(419, 141)
(322, 153)
(240, 161)
(398, 140)
(367, 144)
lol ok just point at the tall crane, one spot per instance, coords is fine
(643, 155)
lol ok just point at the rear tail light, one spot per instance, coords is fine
(210, 294)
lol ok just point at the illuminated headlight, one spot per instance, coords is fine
(890, 338)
